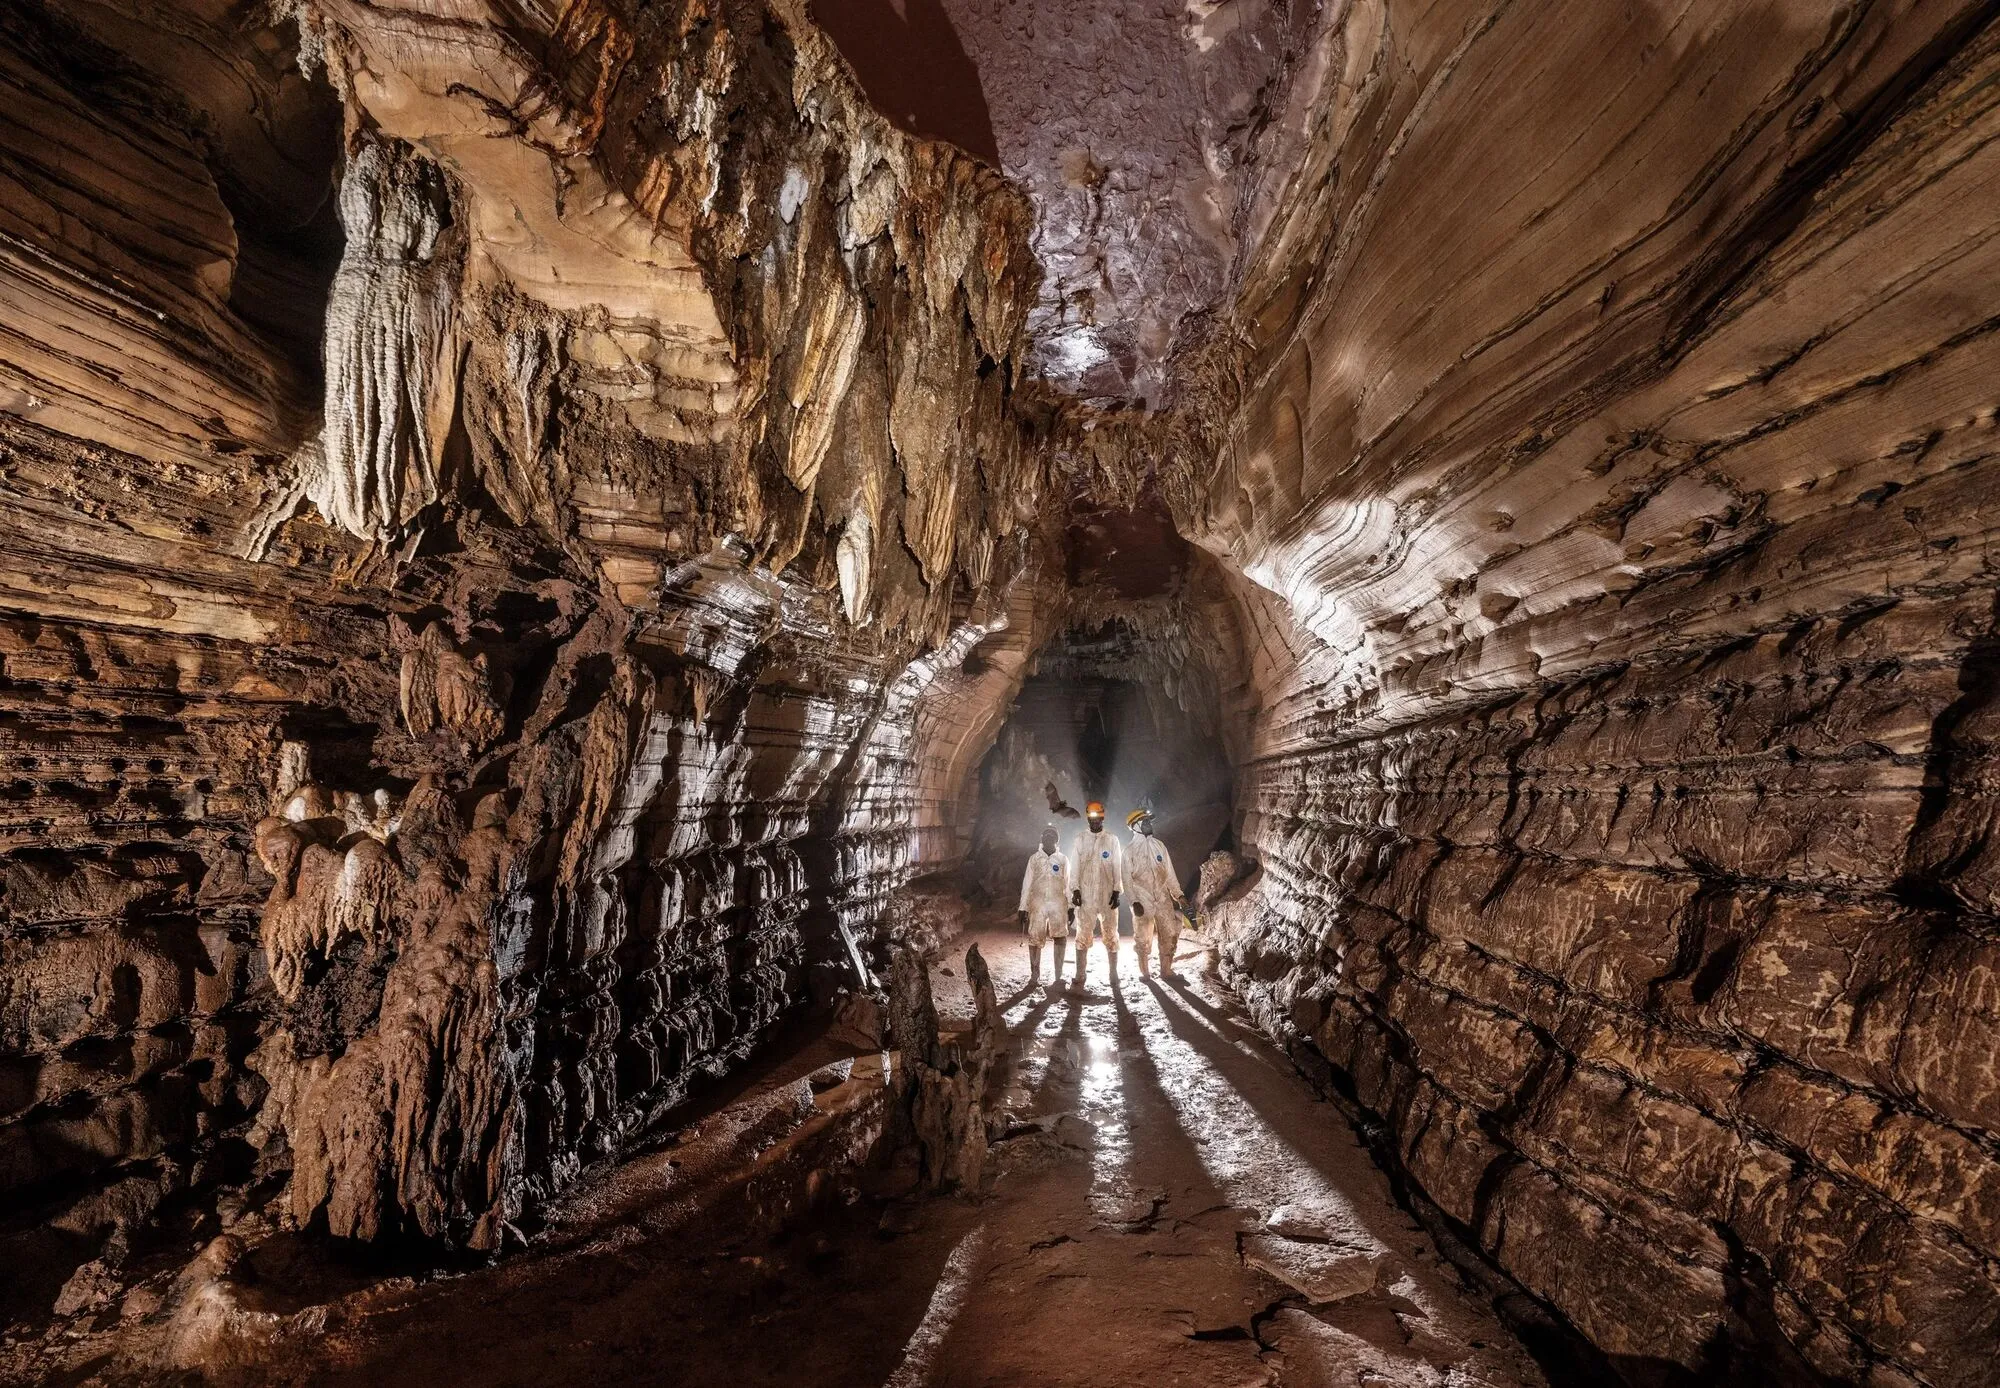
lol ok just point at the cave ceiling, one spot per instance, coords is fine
(1139, 129)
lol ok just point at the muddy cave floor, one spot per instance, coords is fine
(1124, 1235)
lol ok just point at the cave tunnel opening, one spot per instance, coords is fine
(1121, 705)
(1093, 736)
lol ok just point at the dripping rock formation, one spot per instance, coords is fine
(548, 552)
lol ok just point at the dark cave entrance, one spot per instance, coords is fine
(1122, 706)
(1097, 738)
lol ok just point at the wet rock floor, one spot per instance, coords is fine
(1170, 1204)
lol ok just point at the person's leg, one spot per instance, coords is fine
(1142, 935)
(1061, 944)
(1170, 941)
(1110, 925)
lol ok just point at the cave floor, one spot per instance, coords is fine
(1125, 1236)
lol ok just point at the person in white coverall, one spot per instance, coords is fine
(1097, 859)
(1045, 910)
(1155, 891)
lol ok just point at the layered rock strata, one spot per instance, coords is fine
(1620, 794)
(518, 529)
(422, 775)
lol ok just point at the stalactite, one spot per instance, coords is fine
(389, 344)
(1594, 595)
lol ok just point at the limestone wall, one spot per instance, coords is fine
(1621, 783)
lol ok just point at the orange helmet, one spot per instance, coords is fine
(1094, 810)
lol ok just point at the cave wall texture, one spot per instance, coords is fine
(519, 525)
(420, 779)
(1623, 783)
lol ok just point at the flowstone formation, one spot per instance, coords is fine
(534, 542)
(422, 775)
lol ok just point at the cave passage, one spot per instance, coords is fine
(1099, 738)
(558, 560)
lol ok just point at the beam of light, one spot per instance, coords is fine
(926, 1343)
(1254, 1165)
(1101, 1097)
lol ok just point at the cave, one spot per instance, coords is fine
(557, 563)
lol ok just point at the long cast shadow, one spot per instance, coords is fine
(1163, 1152)
(1315, 1130)
(1128, 1277)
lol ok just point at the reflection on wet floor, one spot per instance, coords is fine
(921, 1355)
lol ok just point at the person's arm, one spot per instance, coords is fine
(1027, 884)
(1166, 866)
(1076, 876)
(1117, 871)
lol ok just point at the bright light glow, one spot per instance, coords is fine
(920, 1355)
(1077, 350)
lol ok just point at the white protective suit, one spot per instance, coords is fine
(1045, 889)
(1098, 862)
(1152, 885)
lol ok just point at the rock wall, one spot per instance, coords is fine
(1616, 515)
(422, 771)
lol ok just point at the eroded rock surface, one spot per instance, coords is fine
(537, 544)
(1618, 792)
(419, 797)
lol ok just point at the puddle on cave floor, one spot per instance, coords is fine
(1124, 1237)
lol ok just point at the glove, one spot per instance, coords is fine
(1076, 898)
(1137, 909)
(1022, 917)
(1114, 901)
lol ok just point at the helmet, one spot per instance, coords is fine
(1094, 809)
(1132, 819)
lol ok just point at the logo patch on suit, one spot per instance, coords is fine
(1105, 854)
(1055, 867)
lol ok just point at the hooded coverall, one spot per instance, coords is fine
(1149, 878)
(1045, 889)
(1098, 862)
